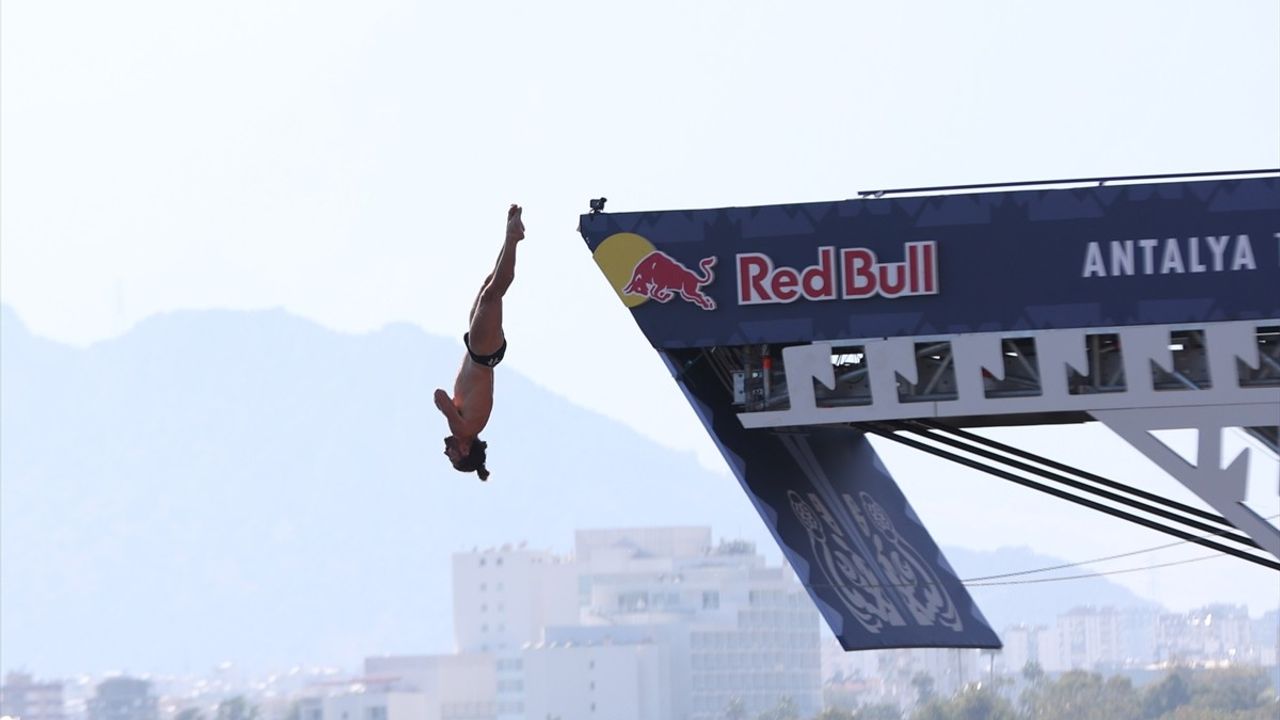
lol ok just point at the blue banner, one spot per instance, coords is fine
(868, 562)
(1172, 252)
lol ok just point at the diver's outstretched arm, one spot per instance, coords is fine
(444, 403)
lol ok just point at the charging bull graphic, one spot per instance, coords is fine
(658, 276)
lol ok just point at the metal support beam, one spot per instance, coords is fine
(1223, 488)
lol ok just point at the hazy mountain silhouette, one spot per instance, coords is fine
(250, 486)
(1035, 603)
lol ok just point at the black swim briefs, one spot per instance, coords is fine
(485, 360)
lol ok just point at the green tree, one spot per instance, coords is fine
(974, 703)
(1079, 695)
(879, 711)
(1230, 689)
(1032, 672)
(832, 713)
(1166, 696)
(189, 714)
(735, 710)
(923, 684)
(980, 703)
(1190, 712)
(236, 708)
(933, 710)
(784, 710)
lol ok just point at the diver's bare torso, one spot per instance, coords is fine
(467, 412)
(473, 395)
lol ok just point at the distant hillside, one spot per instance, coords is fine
(1036, 603)
(250, 486)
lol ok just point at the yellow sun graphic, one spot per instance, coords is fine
(617, 256)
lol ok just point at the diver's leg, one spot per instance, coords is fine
(476, 303)
(486, 315)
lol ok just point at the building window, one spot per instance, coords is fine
(593, 707)
(498, 561)
(710, 600)
(481, 562)
(483, 587)
(377, 712)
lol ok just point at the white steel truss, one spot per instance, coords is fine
(1134, 379)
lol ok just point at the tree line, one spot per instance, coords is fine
(1183, 694)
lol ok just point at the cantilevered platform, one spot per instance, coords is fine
(794, 330)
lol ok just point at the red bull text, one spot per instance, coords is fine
(862, 276)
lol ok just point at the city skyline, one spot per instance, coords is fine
(521, 614)
(466, 627)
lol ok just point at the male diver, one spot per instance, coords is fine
(468, 410)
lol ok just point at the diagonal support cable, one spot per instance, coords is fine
(1223, 528)
(888, 433)
(1062, 467)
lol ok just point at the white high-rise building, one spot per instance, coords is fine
(504, 597)
(1021, 647)
(23, 698)
(123, 698)
(372, 703)
(649, 623)
(1216, 633)
(601, 680)
(1265, 637)
(725, 626)
(1093, 638)
(454, 686)
(1089, 638)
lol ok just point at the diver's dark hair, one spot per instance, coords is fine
(474, 461)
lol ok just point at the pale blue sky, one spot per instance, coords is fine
(351, 162)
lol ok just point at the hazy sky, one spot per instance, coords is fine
(352, 162)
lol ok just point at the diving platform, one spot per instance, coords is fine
(795, 331)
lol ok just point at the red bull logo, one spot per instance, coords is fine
(639, 272)
(658, 276)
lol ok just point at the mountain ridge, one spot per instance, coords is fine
(219, 483)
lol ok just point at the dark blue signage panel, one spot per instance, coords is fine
(870, 566)
(1174, 252)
